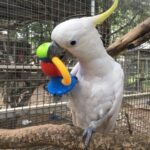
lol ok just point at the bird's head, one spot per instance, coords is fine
(80, 37)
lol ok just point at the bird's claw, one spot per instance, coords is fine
(87, 134)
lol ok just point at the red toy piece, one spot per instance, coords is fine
(50, 69)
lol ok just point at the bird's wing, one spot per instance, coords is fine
(112, 103)
(118, 90)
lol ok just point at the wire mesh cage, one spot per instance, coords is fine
(136, 106)
(26, 24)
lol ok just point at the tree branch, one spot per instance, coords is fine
(139, 41)
(55, 135)
(65, 136)
(128, 124)
(131, 38)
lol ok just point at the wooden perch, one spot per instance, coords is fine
(68, 137)
(139, 41)
(132, 39)
(54, 135)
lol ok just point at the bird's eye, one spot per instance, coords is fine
(73, 43)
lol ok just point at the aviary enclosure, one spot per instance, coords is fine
(25, 24)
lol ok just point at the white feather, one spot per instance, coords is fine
(95, 95)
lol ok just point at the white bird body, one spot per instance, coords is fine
(97, 97)
(101, 89)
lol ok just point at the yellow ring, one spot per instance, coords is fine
(63, 70)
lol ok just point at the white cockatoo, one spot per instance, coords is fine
(97, 97)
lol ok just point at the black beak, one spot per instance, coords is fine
(55, 50)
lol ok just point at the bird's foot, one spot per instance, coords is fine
(87, 134)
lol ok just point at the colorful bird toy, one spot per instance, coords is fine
(61, 81)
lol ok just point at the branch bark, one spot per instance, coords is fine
(67, 137)
(54, 135)
(134, 38)
(139, 41)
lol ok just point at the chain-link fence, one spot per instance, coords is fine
(26, 24)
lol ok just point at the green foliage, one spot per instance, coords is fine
(36, 33)
(128, 14)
